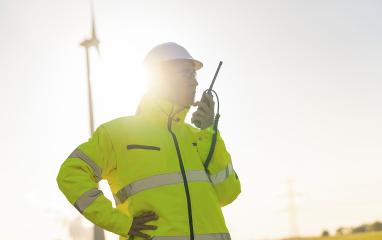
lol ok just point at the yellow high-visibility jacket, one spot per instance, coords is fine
(153, 161)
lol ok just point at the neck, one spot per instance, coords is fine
(169, 97)
(156, 108)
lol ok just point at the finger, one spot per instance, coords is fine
(147, 213)
(201, 114)
(139, 234)
(204, 107)
(147, 218)
(198, 112)
(209, 95)
(195, 104)
(197, 117)
(144, 226)
(195, 120)
(210, 98)
(209, 102)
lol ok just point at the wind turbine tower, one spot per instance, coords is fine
(87, 44)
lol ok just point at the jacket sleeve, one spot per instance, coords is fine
(78, 179)
(220, 169)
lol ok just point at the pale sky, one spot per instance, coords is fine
(300, 92)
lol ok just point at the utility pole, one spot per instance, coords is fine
(87, 44)
(292, 211)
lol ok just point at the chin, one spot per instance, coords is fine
(188, 103)
(191, 102)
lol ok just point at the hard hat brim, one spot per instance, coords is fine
(197, 64)
(169, 51)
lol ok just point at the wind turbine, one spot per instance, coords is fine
(87, 44)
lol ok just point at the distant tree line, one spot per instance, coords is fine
(376, 226)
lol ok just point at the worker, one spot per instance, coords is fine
(154, 161)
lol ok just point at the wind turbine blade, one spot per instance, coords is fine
(94, 39)
(97, 48)
(94, 34)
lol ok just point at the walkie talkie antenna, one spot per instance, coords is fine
(216, 74)
(204, 99)
(215, 124)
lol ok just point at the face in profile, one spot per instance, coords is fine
(178, 79)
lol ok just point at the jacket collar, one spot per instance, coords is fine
(156, 109)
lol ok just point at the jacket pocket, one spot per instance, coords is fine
(138, 146)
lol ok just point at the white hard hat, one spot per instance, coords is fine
(167, 52)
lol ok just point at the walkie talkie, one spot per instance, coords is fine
(197, 123)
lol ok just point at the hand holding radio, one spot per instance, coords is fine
(204, 115)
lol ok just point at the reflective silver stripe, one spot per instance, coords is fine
(170, 178)
(210, 236)
(79, 154)
(157, 181)
(86, 199)
(222, 175)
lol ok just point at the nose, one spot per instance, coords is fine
(194, 82)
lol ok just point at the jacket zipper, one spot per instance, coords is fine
(184, 177)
